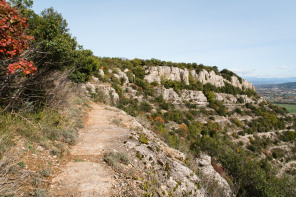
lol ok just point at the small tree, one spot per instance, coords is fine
(13, 45)
(13, 42)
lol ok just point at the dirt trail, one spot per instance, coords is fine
(85, 173)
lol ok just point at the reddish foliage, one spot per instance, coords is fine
(150, 118)
(13, 39)
(266, 152)
(183, 127)
(218, 168)
(159, 119)
(22, 64)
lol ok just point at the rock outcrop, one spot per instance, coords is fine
(106, 93)
(195, 97)
(173, 73)
(121, 75)
(210, 176)
(208, 77)
(156, 73)
(226, 98)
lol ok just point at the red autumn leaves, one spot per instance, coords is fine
(13, 40)
(23, 65)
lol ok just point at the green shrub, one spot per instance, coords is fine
(143, 139)
(240, 100)
(146, 107)
(238, 110)
(278, 153)
(86, 65)
(227, 74)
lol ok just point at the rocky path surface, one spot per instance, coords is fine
(152, 167)
(86, 173)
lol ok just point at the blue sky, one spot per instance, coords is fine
(252, 38)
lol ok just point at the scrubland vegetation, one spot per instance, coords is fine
(47, 110)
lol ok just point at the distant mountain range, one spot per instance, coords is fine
(291, 85)
(263, 81)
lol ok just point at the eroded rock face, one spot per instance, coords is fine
(226, 98)
(169, 95)
(213, 178)
(196, 97)
(247, 99)
(247, 85)
(106, 93)
(208, 77)
(156, 73)
(109, 93)
(121, 75)
(167, 166)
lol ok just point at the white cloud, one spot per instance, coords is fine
(283, 67)
(243, 72)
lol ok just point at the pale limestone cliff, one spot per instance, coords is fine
(196, 97)
(169, 95)
(235, 82)
(156, 73)
(208, 77)
(226, 98)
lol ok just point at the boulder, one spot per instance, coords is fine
(192, 96)
(226, 98)
(90, 87)
(169, 95)
(95, 79)
(108, 94)
(212, 178)
(101, 72)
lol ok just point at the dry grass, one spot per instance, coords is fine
(52, 127)
(114, 159)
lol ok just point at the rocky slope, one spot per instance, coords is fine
(150, 166)
(186, 107)
(165, 131)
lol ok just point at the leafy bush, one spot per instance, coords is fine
(250, 176)
(238, 110)
(86, 65)
(145, 86)
(55, 45)
(288, 136)
(131, 106)
(278, 153)
(227, 74)
(143, 139)
(146, 107)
